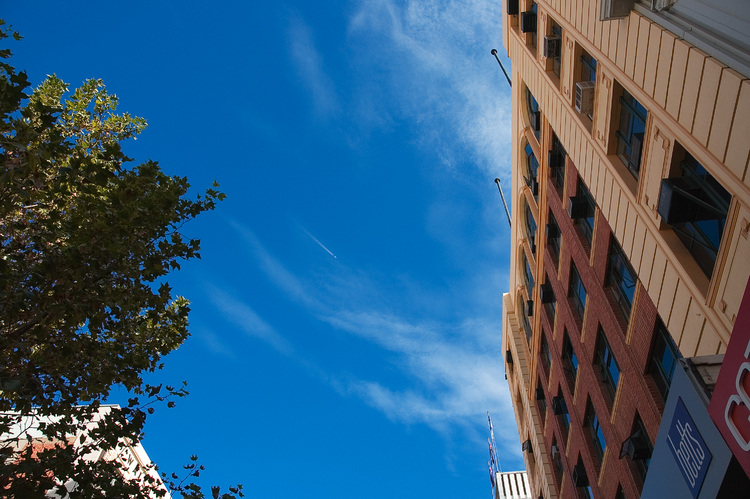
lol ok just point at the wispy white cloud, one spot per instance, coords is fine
(246, 319)
(452, 368)
(438, 53)
(310, 68)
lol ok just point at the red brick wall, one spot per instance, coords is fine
(636, 391)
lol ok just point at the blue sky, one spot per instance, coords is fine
(346, 312)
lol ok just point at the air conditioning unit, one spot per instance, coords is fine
(528, 21)
(559, 406)
(509, 357)
(526, 446)
(615, 9)
(512, 7)
(580, 479)
(636, 446)
(554, 451)
(539, 394)
(530, 308)
(657, 5)
(680, 202)
(546, 294)
(536, 120)
(636, 145)
(578, 207)
(552, 45)
(555, 159)
(585, 97)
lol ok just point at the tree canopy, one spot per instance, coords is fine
(87, 238)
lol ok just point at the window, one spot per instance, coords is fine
(582, 210)
(527, 327)
(585, 86)
(570, 360)
(547, 296)
(664, 357)
(556, 160)
(638, 447)
(553, 235)
(530, 228)
(695, 205)
(534, 115)
(532, 167)
(576, 291)
(544, 354)
(560, 408)
(605, 360)
(541, 401)
(553, 48)
(630, 132)
(532, 29)
(529, 277)
(591, 421)
(557, 464)
(621, 278)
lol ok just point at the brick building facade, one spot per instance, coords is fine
(610, 284)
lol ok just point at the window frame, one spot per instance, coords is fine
(530, 227)
(604, 358)
(532, 169)
(592, 421)
(586, 224)
(532, 106)
(630, 115)
(662, 345)
(588, 66)
(690, 233)
(577, 291)
(557, 174)
(617, 280)
(570, 360)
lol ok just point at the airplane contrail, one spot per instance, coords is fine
(319, 243)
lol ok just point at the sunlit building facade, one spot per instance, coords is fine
(630, 221)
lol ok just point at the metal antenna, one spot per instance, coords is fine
(494, 52)
(505, 205)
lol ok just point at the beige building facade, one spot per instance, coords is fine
(631, 120)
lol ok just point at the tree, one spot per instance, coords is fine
(86, 240)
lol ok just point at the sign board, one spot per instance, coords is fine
(688, 448)
(730, 402)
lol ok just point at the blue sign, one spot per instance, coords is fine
(688, 448)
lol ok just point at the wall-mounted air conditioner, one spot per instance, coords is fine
(615, 9)
(528, 21)
(554, 451)
(578, 207)
(658, 5)
(512, 7)
(552, 45)
(585, 97)
(555, 159)
(526, 446)
(636, 446)
(580, 479)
